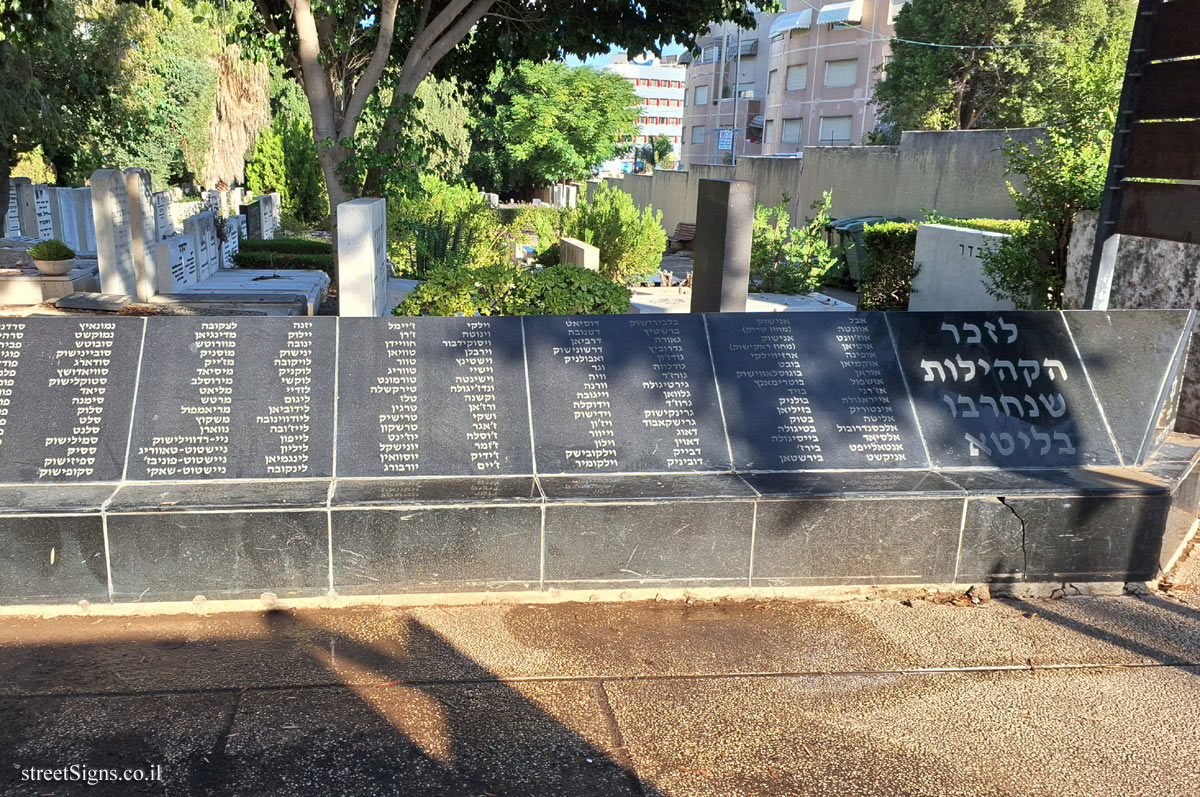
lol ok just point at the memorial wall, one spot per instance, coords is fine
(162, 458)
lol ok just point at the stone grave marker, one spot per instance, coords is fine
(12, 219)
(26, 206)
(43, 213)
(87, 222)
(144, 234)
(235, 401)
(230, 243)
(164, 226)
(240, 225)
(950, 270)
(175, 258)
(114, 235)
(362, 258)
(66, 223)
(203, 231)
(433, 397)
(236, 195)
(272, 218)
(66, 391)
(623, 394)
(253, 212)
(823, 395)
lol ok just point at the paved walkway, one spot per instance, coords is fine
(870, 697)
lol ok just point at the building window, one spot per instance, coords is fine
(710, 54)
(746, 91)
(836, 129)
(792, 128)
(777, 43)
(797, 77)
(841, 74)
(698, 134)
(773, 81)
(769, 132)
(700, 97)
(895, 9)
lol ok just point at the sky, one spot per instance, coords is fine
(603, 60)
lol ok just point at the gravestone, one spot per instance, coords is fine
(574, 252)
(253, 213)
(175, 259)
(83, 210)
(230, 243)
(949, 262)
(26, 206)
(203, 231)
(164, 224)
(114, 234)
(721, 275)
(243, 230)
(362, 258)
(43, 213)
(146, 459)
(12, 219)
(236, 195)
(144, 232)
(67, 227)
(272, 217)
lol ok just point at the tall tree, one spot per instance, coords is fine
(342, 51)
(1009, 66)
(544, 123)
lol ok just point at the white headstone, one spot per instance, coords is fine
(12, 219)
(164, 226)
(43, 215)
(175, 258)
(362, 258)
(949, 262)
(114, 238)
(202, 229)
(87, 220)
(26, 207)
(230, 244)
(66, 223)
(236, 197)
(141, 221)
(271, 215)
(240, 224)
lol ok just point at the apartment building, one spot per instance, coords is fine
(811, 80)
(659, 82)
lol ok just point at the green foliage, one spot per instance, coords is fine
(284, 157)
(659, 152)
(290, 246)
(888, 269)
(631, 242)
(540, 226)
(787, 259)
(939, 88)
(51, 250)
(285, 260)
(266, 171)
(443, 226)
(508, 290)
(34, 166)
(545, 123)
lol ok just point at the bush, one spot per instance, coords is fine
(51, 250)
(291, 246)
(443, 226)
(888, 269)
(285, 260)
(631, 243)
(508, 290)
(787, 259)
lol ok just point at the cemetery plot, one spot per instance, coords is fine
(66, 391)
(802, 393)
(234, 399)
(623, 394)
(432, 397)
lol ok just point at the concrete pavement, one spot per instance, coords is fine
(1085, 695)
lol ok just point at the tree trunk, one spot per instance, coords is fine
(5, 175)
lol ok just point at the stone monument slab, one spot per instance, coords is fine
(950, 275)
(825, 392)
(164, 226)
(26, 207)
(202, 229)
(175, 258)
(12, 218)
(235, 399)
(623, 394)
(114, 235)
(432, 397)
(253, 212)
(66, 223)
(144, 234)
(83, 211)
(362, 258)
(43, 213)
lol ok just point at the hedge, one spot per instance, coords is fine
(285, 260)
(887, 271)
(291, 246)
(1004, 226)
(506, 290)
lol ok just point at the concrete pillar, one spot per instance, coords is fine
(724, 223)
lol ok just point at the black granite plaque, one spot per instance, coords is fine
(253, 214)
(432, 397)
(807, 391)
(623, 394)
(1000, 389)
(66, 391)
(234, 398)
(1132, 359)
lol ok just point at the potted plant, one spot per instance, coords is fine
(52, 258)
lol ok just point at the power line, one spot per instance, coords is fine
(936, 44)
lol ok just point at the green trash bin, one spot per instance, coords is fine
(850, 249)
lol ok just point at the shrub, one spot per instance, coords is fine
(631, 243)
(888, 269)
(443, 226)
(787, 259)
(51, 250)
(291, 246)
(508, 290)
(285, 260)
